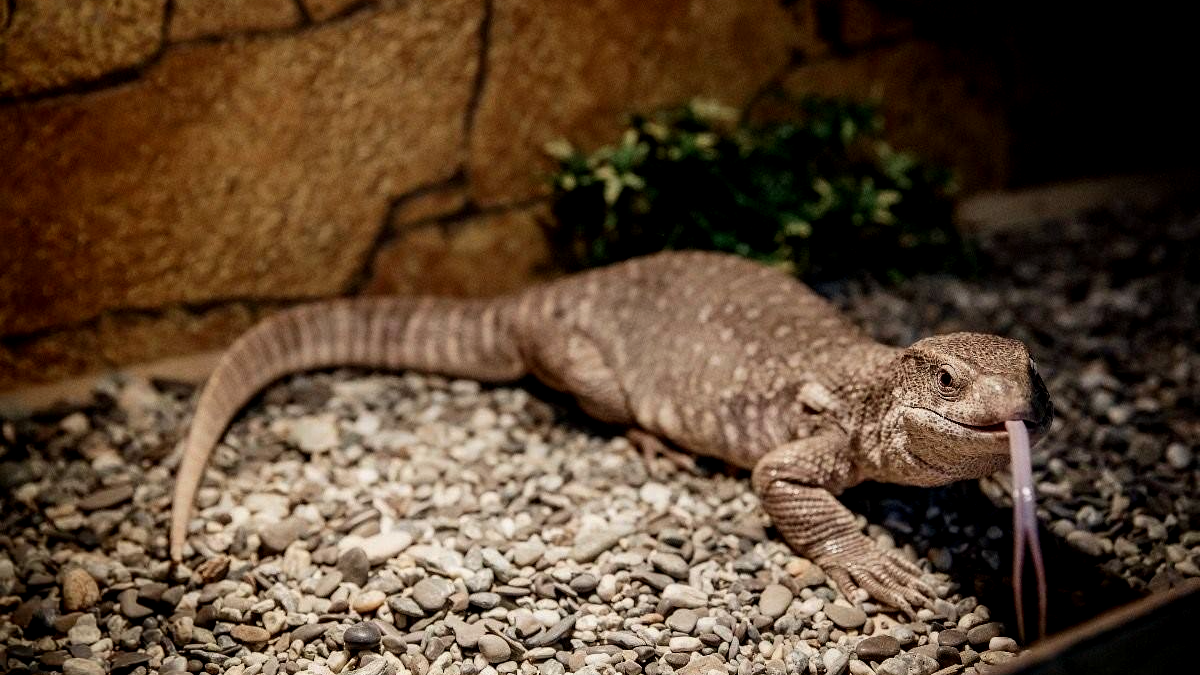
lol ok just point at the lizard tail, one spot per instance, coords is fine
(458, 338)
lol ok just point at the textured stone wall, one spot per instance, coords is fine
(173, 170)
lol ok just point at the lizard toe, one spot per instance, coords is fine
(897, 557)
(890, 592)
(899, 584)
(913, 584)
(885, 580)
(842, 577)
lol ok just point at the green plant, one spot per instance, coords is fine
(823, 195)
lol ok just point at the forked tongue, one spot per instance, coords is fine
(1025, 529)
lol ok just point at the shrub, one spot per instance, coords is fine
(823, 196)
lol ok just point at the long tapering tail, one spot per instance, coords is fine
(461, 338)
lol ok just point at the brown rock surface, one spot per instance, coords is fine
(199, 18)
(249, 168)
(480, 256)
(437, 201)
(863, 22)
(121, 339)
(54, 43)
(811, 42)
(320, 10)
(575, 69)
(934, 102)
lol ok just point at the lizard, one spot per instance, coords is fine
(708, 352)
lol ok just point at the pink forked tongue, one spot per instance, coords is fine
(1025, 527)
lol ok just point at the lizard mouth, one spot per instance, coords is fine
(997, 430)
(991, 431)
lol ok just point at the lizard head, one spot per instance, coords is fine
(956, 392)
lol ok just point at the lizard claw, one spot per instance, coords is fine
(653, 448)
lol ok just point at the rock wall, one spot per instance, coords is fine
(175, 169)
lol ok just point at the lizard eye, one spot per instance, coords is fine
(945, 379)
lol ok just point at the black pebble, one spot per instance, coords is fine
(362, 635)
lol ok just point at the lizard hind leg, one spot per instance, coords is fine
(570, 362)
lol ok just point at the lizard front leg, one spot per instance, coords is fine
(790, 482)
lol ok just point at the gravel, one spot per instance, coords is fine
(371, 523)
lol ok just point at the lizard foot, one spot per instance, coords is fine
(882, 574)
(652, 448)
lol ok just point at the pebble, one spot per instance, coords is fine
(85, 631)
(484, 600)
(904, 635)
(369, 601)
(920, 664)
(1003, 644)
(775, 600)
(860, 668)
(624, 639)
(682, 620)
(681, 595)
(993, 658)
(671, 564)
(130, 607)
(528, 553)
(437, 559)
(314, 434)
(1086, 542)
(685, 643)
(952, 637)
(607, 587)
(383, 546)
(845, 617)
(653, 579)
(584, 583)
(327, 583)
(590, 544)
(375, 667)
(877, 648)
(362, 635)
(276, 537)
(892, 666)
(77, 666)
(106, 498)
(1179, 456)
(809, 607)
(129, 660)
(983, 633)
(274, 620)
(431, 593)
(553, 634)
(466, 634)
(494, 648)
(309, 632)
(354, 566)
(251, 634)
(835, 661)
(336, 661)
(656, 494)
(79, 589)
(703, 665)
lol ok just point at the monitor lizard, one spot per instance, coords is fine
(709, 352)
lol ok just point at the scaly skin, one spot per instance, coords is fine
(716, 355)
